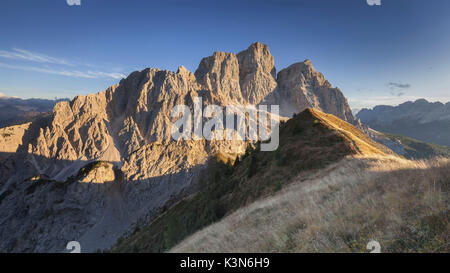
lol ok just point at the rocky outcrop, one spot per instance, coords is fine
(12, 137)
(100, 172)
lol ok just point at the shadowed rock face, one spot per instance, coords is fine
(129, 125)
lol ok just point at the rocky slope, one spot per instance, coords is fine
(50, 194)
(422, 120)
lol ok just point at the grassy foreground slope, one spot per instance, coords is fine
(310, 141)
(404, 205)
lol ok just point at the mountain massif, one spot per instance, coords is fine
(102, 164)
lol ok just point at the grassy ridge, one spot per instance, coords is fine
(401, 204)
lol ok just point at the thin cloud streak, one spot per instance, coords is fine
(24, 55)
(395, 85)
(68, 73)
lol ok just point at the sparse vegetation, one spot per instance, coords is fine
(92, 166)
(253, 166)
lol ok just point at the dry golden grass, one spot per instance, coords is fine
(359, 141)
(402, 204)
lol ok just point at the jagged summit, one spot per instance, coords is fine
(256, 56)
(182, 70)
(250, 77)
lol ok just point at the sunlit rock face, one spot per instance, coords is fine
(301, 86)
(256, 73)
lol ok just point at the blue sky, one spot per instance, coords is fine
(384, 54)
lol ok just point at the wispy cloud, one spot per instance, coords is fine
(373, 2)
(73, 2)
(25, 55)
(396, 85)
(70, 73)
(398, 89)
(22, 55)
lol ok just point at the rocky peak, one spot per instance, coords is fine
(246, 78)
(219, 73)
(256, 57)
(300, 86)
(182, 70)
(302, 73)
(256, 73)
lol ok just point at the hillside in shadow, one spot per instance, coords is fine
(94, 206)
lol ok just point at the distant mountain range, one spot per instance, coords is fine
(15, 110)
(421, 120)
